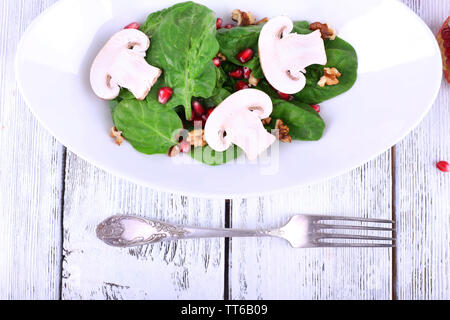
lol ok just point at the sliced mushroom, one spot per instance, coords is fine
(284, 55)
(121, 63)
(238, 120)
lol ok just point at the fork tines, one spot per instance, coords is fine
(330, 239)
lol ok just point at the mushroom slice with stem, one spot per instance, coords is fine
(121, 63)
(284, 55)
(237, 120)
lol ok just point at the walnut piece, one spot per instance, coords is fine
(243, 18)
(283, 131)
(329, 78)
(197, 138)
(117, 135)
(174, 151)
(221, 56)
(266, 121)
(262, 21)
(252, 81)
(325, 30)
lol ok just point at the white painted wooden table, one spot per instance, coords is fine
(51, 201)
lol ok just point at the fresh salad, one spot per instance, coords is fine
(186, 82)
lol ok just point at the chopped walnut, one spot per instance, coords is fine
(196, 138)
(266, 121)
(243, 18)
(262, 21)
(174, 151)
(330, 77)
(117, 135)
(283, 131)
(221, 56)
(325, 30)
(252, 81)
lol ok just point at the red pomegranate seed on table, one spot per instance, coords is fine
(241, 85)
(198, 108)
(444, 166)
(216, 62)
(229, 26)
(247, 72)
(237, 74)
(133, 25)
(164, 95)
(316, 107)
(284, 96)
(245, 55)
(219, 23)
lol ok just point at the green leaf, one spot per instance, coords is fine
(304, 123)
(183, 45)
(147, 125)
(340, 55)
(155, 18)
(234, 40)
(210, 157)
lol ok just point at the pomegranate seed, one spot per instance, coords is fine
(241, 85)
(237, 74)
(447, 62)
(316, 107)
(285, 96)
(206, 116)
(447, 52)
(217, 62)
(229, 26)
(447, 43)
(446, 33)
(185, 146)
(247, 72)
(133, 25)
(219, 23)
(245, 55)
(198, 108)
(444, 166)
(164, 95)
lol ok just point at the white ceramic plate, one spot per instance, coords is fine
(398, 79)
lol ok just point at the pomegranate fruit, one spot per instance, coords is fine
(219, 23)
(247, 72)
(245, 55)
(164, 95)
(444, 166)
(199, 110)
(133, 25)
(237, 74)
(316, 107)
(443, 38)
(241, 85)
(285, 96)
(216, 62)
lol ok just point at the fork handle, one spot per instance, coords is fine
(130, 231)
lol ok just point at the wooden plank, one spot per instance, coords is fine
(31, 164)
(189, 269)
(423, 192)
(271, 269)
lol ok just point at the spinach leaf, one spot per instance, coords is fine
(147, 125)
(183, 45)
(340, 55)
(234, 40)
(304, 123)
(155, 18)
(210, 157)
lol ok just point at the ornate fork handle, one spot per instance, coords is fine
(129, 231)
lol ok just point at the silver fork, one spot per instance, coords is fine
(302, 231)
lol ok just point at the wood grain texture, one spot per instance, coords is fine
(30, 176)
(270, 269)
(423, 192)
(188, 269)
